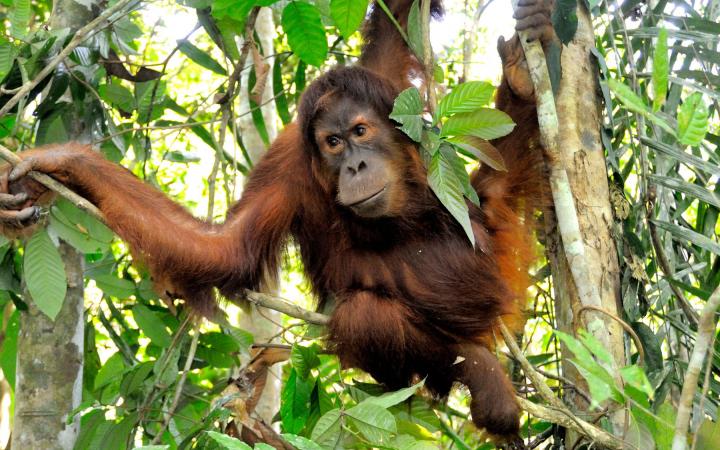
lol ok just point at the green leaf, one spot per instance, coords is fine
(661, 70)
(281, 103)
(708, 435)
(19, 16)
(485, 123)
(686, 234)
(634, 103)
(466, 97)
(200, 57)
(635, 376)
(8, 353)
(151, 325)
(449, 190)
(680, 185)
(114, 286)
(373, 421)
(304, 359)
(348, 15)
(117, 95)
(227, 442)
(111, 371)
(294, 407)
(414, 31)
(393, 398)
(301, 443)
(305, 32)
(44, 274)
(480, 149)
(407, 110)
(458, 165)
(328, 429)
(149, 99)
(79, 229)
(565, 20)
(665, 430)
(692, 120)
(596, 347)
(7, 57)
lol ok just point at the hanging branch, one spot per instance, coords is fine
(706, 331)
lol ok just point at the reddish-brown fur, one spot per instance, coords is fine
(411, 296)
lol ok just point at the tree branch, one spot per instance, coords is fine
(706, 331)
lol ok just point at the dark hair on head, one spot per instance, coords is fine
(356, 83)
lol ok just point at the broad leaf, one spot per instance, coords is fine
(7, 57)
(118, 96)
(44, 274)
(661, 70)
(393, 398)
(151, 325)
(458, 165)
(485, 123)
(480, 149)
(565, 20)
(301, 443)
(19, 15)
(693, 120)
(634, 103)
(449, 190)
(373, 421)
(407, 110)
(294, 407)
(304, 359)
(328, 429)
(414, 31)
(226, 442)
(466, 97)
(305, 32)
(348, 15)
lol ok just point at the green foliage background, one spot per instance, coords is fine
(659, 78)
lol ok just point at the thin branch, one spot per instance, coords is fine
(170, 413)
(80, 35)
(705, 334)
(285, 307)
(566, 419)
(628, 329)
(537, 380)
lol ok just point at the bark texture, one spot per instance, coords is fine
(578, 108)
(50, 354)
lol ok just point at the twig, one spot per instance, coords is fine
(79, 37)
(628, 329)
(54, 185)
(170, 413)
(537, 380)
(285, 307)
(566, 419)
(706, 331)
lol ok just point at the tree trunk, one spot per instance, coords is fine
(48, 385)
(261, 322)
(578, 107)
